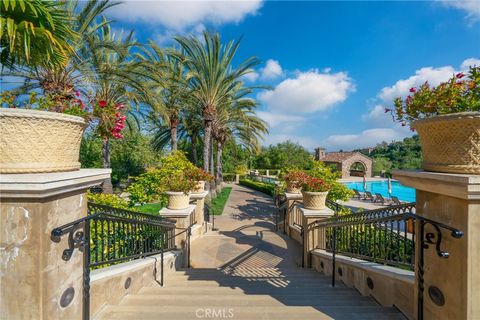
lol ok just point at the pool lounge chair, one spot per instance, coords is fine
(357, 194)
(369, 196)
(396, 201)
(379, 198)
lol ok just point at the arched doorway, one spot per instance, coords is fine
(358, 169)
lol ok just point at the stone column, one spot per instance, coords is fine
(292, 199)
(312, 239)
(199, 201)
(452, 285)
(237, 178)
(182, 219)
(35, 283)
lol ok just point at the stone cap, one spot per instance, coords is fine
(180, 213)
(43, 185)
(326, 212)
(463, 186)
(198, 196)
(293, 196)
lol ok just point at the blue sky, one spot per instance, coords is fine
(333, 65)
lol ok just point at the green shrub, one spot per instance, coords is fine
(266, 188)
(338, 191)
(109, 200)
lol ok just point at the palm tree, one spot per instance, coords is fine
(111, 75)
(212, 77)
(35, 32)
(170, 92)
(237, 121)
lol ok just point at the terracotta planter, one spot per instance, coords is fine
(292, 189)
(450, 143)
(199, 188)
(39, 141)
(314, 200)
(177, 200)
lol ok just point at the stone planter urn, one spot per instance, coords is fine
(292, 187)
(177, 200)
(199, 188)
(39, 141)
(314, 200)
(450, 143)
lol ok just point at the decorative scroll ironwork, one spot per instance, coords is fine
(110, 235)
(387, 236)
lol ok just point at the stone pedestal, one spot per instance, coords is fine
(199, 200)
(35, 283)
(312, 239)
(292, 199)
(182, 218)
(452, 286)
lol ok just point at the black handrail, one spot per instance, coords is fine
(385, 235)
(110, 235)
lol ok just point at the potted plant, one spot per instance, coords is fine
(314, 191)
(294, 180)
(447, 119)
(178, 186)
(43, 134)
(200, 176)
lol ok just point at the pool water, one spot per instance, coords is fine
(402, 192)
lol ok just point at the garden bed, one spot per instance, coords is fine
(218, 204)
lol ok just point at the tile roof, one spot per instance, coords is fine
(339, 156)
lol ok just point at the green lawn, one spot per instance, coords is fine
(151, 208)
(217, 204)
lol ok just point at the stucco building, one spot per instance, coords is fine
(348, 163)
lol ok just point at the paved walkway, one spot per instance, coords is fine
(247, 271)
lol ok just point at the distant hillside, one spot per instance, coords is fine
(404, 154)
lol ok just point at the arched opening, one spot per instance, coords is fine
(358, 169)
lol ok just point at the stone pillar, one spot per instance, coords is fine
(199, 201)
(35, 283)
(292, 199)
(452, 286)
(182, 218)
(268, 173)
(312, 239)
(237, 178)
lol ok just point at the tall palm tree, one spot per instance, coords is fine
(111, 75)
(168, 85)
(212, 77)
(35, 32)
(237, 121)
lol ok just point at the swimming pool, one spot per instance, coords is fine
(402, 192)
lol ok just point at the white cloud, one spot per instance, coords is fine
(179, 15)
(283, 122)
(472, 8)
(272, 70)
(366, 138)
(304, 141)
(308, 92)
(251, 76)
(470, 62)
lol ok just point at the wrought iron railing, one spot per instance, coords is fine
(109, 235)
(387, 235)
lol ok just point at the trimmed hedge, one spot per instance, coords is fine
(266, 188)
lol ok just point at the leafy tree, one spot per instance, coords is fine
(282, 155)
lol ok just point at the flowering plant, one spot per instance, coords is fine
(110, 116)
(315, 184)
(178, 182)
(459, 94)
(198, 174)
(295, 178)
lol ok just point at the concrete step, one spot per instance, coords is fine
(255, 300)
(250, 275)
(248, 313)
(239, 291)
(245, 282)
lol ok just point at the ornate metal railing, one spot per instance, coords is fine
(387, 235)
(109, 236)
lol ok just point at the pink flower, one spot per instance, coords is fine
(413, 89)
(102, 103)
(460, 75)
(119, 106)
(77, 93)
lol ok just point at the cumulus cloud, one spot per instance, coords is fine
(366, 138)
(283, 122)
(272, 70)
(472, 8)
(304, 141)
(179, 15)
(252, 76)
(470, 62)
(308, 92)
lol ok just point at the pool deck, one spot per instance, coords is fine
(355, 204)
(360, 179)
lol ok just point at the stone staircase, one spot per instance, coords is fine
(247, 293)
